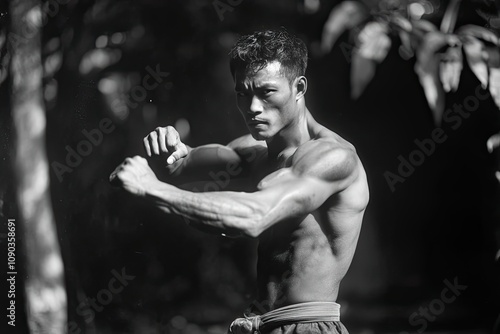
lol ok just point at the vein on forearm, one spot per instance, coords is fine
(223, 210)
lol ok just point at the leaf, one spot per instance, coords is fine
(424, 26)
(403, 27)
(492, 20)
(450, 16)
(372, 46)
(473, 49)
(493, 142)
(373, 41)
(492, 55)
(400, 22)
(405, 49)
(494, 85)
(478, 32)
(362, 72)
(419, 30)
(483, 54)
(450, 68)
(346, 15)
(427, 69)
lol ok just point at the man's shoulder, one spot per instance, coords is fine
(326, 145)
(324, 138)
(327, 156)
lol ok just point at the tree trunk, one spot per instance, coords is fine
(44, 285)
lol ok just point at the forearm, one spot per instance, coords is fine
(229, 212)
(202, 162)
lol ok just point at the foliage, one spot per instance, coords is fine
(438, 52)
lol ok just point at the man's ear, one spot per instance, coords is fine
(301, 84)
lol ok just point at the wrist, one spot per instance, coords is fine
(157, 189)
(162, 195)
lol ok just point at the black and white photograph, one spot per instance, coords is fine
(250, 166)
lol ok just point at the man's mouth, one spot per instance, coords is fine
(255, 121)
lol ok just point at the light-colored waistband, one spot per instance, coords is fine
(295, 313)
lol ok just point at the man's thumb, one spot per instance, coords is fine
(174, 157)
(180, 152)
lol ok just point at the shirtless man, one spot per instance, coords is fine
(306, 193)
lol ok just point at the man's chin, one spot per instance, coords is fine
(259, 136)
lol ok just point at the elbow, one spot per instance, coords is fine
(254, 224)
(253, 230)
(247, 216)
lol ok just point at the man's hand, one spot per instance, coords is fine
(165, 142)
(134, 175)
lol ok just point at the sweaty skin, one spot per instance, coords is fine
(304, 197)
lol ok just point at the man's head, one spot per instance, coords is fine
(268, 69)
(253, 52)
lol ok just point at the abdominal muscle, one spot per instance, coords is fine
(297, 264)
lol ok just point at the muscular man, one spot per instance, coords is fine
(305, 196)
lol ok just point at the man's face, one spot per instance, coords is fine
(266, 100)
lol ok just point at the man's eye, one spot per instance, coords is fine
(240, 94)
(267, 92)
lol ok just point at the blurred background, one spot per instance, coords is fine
(384, 74)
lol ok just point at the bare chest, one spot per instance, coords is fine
(262, 165)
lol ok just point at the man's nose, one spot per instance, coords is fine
(255, 106)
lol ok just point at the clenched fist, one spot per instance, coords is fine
(165, 142)
(134, 175)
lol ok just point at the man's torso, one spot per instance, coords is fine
(304, 258)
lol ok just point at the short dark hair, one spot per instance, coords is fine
(253, 52)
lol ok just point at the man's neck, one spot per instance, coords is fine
(290, 137)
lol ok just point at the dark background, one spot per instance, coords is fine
(440, 224)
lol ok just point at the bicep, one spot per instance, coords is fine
(208, 162)
(285, 195)
(307, 185)
(219, 158)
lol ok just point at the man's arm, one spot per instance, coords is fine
(319, 170)
(170, 156)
